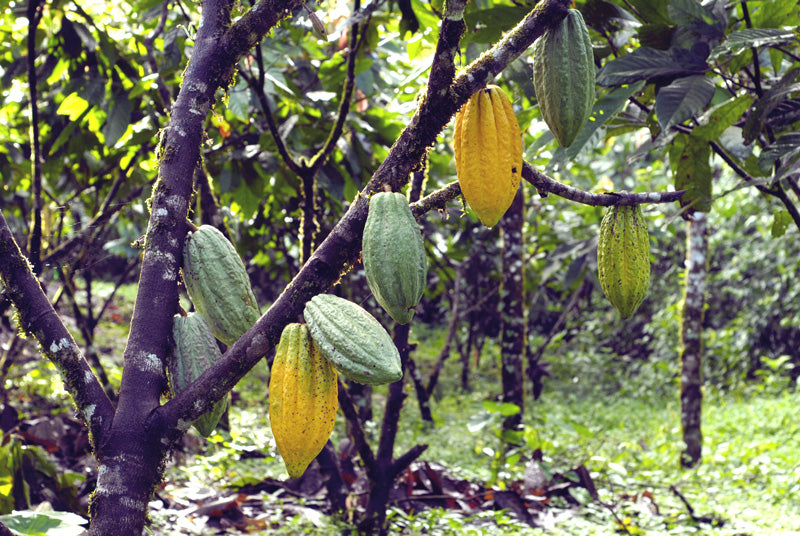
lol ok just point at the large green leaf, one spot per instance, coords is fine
(753, 37)
(693, 173)
(771, 98)
(44, 523)
(488, 25)
(682, 99)
(774, 13)
(604, 109)
(119, 117)
(647, 63)
(722, 117)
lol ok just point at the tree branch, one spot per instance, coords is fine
(34, 14)
(38, 318)
(545, 184)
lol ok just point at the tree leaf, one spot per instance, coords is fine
(646, 63)
(780, 222)
(767, 102)
(652, 11)
(752, 37)
(723, 117)
(682, 99)
(686, 11)
(488, 25)
(604, 109)
(693, 173)
(119, 117)
(787, 149)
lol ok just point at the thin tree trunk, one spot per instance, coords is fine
(34, 14)
(513, 312)
(691, 337)
(386, 468)
(452, 329)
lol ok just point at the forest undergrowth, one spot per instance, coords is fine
(605, 462)
(593, 459)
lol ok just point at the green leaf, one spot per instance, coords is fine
(722, 117)
(119, 117)
(787, 149)
(780, 222)
(646, 63)
(752, 37)
(73, 106)
(652, 11)
(687, 11)
(682, 99)
(488, 25)
(603, 110)
(769, 101)
(693, 173)
(774, 13)
(50, 523)
(581, 429)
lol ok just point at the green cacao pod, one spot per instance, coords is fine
(488, 148)
(217, 284)
(623, 258)
(194, 350)
(563, 76)
(302, 399)
(393, 255)
(352, 340)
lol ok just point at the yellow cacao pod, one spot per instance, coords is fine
(623, 258)
(302, 399)
(488, 151)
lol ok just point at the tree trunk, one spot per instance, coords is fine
(691, 337)
(513, 313)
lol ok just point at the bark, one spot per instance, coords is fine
(385, 470)
(513, 312)
(691, 338)
(34, 14)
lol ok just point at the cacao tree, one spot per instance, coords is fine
(688, 80)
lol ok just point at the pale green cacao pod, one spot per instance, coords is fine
(194, 350)
(352, 340)
(564, 76)
(302, 399)
(394, 256)
(623, 258)
(218, 284)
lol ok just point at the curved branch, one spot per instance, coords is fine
(38, 318)
(545, 185)
(316, 162)
(267, 110)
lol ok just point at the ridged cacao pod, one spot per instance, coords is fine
(563, 77)
(623, 258)
(302, 399)
(352, 340)
(394, 256)
(218, 284)
(194, 350)
(488, 149)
